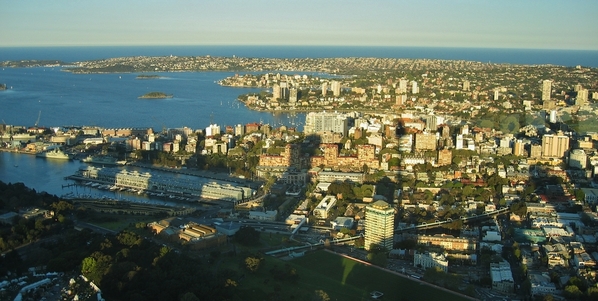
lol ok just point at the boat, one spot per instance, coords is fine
(54, 154)
(106, 160)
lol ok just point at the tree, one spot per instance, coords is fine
(320, 295)
(189, 296)
(253, 263)
(88, 265)
(519, 208)
(247, 236)
(572, 292)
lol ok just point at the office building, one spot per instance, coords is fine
(379, 225)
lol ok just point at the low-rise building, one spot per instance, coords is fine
(324, 207)
(263, 215)
(502, 278)
(541, 285)
(430, 260)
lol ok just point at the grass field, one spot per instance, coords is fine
(341, 278)
(118, 222)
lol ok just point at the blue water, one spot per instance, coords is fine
(111, 100)
(588, 58)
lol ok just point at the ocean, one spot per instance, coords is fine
(587, 58)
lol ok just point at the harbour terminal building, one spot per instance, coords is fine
(182, 185)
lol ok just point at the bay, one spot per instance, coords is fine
(112, 100)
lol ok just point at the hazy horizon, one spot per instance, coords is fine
(509, 24)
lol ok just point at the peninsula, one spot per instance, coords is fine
(155, 95)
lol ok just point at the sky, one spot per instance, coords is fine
(535, 24)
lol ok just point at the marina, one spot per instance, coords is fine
(52, 176)
(182, 187)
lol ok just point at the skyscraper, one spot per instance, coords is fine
(379, 225)
(546, 89)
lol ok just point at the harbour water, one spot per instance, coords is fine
(112, 100)
(60, 98)
(50, 175)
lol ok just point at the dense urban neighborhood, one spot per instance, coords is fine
(475, 178)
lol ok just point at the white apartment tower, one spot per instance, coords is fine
(546, 89)
(336, 88)
(324, 88)
(414, 87)
(403, 86)
(379, 225)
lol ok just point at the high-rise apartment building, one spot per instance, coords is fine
(546, 89)
(403, 86)
(326, 121)
(414, 87)
(554, 146)
(425, 141)
(336, 88)
(518, 148)
(293, 95)
(324, 88)
(466, 85)
(379, 225)
(276, 92)
(284, 90)
(582, 97)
